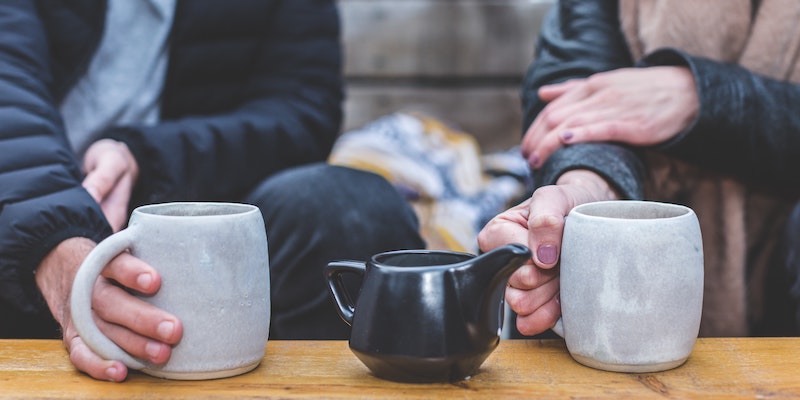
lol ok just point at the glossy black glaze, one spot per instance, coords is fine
(423, 315)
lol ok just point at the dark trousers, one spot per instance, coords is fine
(313, 214)
(316, 214)
(782, 296)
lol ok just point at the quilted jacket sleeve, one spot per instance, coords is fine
(748, 125)
(41, 200)
(580, 38)
(288, 114)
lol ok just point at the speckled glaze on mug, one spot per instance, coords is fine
(631, 285)
(214, 266)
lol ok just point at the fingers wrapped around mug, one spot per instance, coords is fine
(532, 293)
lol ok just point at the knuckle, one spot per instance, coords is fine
(549, 191)
(549, 118)
(527, 277)
(483, 238)
(596, 80)
(546, 221)
(576, 119)
(102, 180)
(513, 300)
(610, 94)
(488, 236)
(614, 130)
(75, 359)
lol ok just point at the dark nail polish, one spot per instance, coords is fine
(567, 136)
(533, 160)
(547, 253)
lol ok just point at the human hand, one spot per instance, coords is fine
(139, 328)
(637, 106)
(533, 289)
(111, 173)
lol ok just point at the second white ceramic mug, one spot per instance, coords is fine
(214, 267)
(631, 285)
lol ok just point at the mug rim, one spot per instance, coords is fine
(224, 209)
(678, 210)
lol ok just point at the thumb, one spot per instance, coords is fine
(99, 182)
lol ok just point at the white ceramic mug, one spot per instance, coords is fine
(214, 265)
(631, 285)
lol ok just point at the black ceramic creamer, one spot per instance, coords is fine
(424, 315)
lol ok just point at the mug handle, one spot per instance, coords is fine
(81, 301)
(333, 274)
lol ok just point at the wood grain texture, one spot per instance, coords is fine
(717, 369)
(435, 38)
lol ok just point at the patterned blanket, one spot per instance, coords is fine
(452, 186)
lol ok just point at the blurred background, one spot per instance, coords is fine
(459, 60)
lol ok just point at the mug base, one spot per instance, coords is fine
(631, 368)
(201, 375)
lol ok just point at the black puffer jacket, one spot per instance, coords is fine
(747, 125)
(252, 87)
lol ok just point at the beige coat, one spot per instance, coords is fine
(739, 224)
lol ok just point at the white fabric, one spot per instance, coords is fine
(126, 74)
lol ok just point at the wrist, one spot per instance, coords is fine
(56, 271)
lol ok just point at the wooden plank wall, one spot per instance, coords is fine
(459, 60)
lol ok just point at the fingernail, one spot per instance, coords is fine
(165, 329)
(547, 253)
(152, 349)
(144, 281)
(567, 136)
(111, 373)
(558, 298)
(533, 160)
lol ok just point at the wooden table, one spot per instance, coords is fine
(718, 368)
